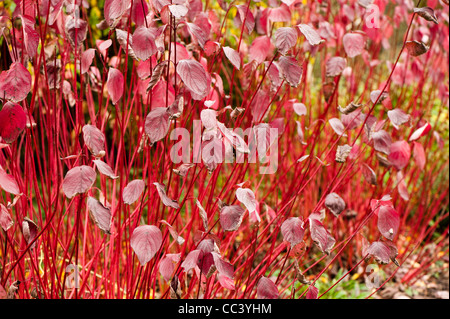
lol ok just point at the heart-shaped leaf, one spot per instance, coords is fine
(145, 242)
(144, 42)
(310, 34)
(78, 180)
(335, 66)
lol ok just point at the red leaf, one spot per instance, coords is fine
(266, 289)
(76, 30)
(319, 234)
(139, 12)
(259, 50)
(194, 77)
(198, 33)
(95, 140)
(144, 42)
(383, 252)
(191, 260)
(105, 169)
(31, 37)
(369, 174)
(231, 217)
(245, 13)
(226, 282)
(78, 180)
(421, 131)
(382, 141)
(165, 199)
(8, 183)
(133, 191)
(86, 60)
(13, 121)
(388, 221)
(145, 242)
(354, 44)
(400, 154)
(419, 155)
(335, 66)
(293, 231)
(233, 56)
(310, 34)
(100, 215)
(15, 83)
(280, 14)
(157, 124)
(313, 293)
(335, 204)
(291, 70)
(115, 84)
(114, 9)
(224, 268)
(285, 39)
(6, 221)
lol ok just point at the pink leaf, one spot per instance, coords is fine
(13, 121)
(335, 204)
(259, 49)
(369, 174)
(133, 191)
(144, 42)
(291, 70)
(145, 242)
(178, 10)
(76, 30)
(167, 265)
(382, 251)
(319, 234)
(8, 183)
(337, 126)
(310, 34)
(115, 84)
(354, 44)
(226, 282)
(293, 231)
(191, 260)
(247, 198)
(180, 240)
(157, 124)
(280, 14)
(165, 199)
(419, 155)
(285, 39)
(6, 221)
(233, 56)
(400, 154)
(223, 267)
(398, 117)
(15, 83)
(198, 33)
(86, 60)
(194, 77)
(231, 217)
(335, 66)
(139, 12)
(100, 215)
(31, 37)
(266, 289)
(245, 13)
(78, 180)
(105, 169)
(95, 140)
(388, 221)
(114, 9)
(299, 109)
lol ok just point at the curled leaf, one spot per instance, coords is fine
(100, 215)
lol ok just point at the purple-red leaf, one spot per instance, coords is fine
(194, 77)
(78, 180)
(15, 83)
(335, 66)
(245, 14)
(313, 292)
(30, 231)
(133, 191)
(165, 199)
(290, 70)
(145, 242)
(382, 251)
(167, 265)
(259, 49)
(86, 60)
(100, 215)
(335, 204)
(419, 155)
(266, 289)
(144, 42)
(115, 84)
(95, 140)
(8, 183)
(293, 231)
(319, 234)
(105, 169)
(382, 141)
(157, 124)
(285, 39)
(13, 120)
(231, 217)
(421, 131)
